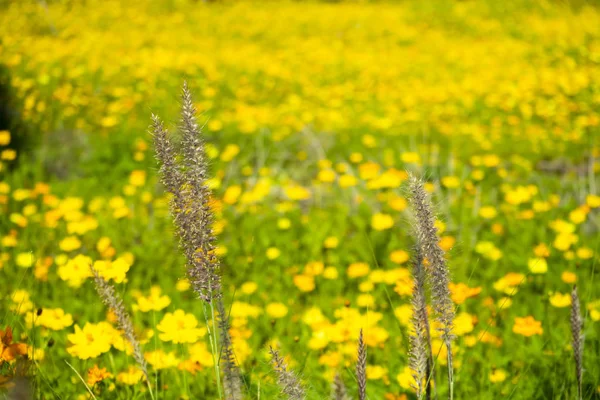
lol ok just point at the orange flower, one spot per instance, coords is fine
(190, 366)
(528, 326)
(96, 375)
(9, 350)
(461, 292)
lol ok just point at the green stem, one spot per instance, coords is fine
(450, 373)
(213, 345)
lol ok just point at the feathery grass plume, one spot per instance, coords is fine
(113, 301)
(338, 389)
(437, 271)
(361, 367)
(287, 379)
(232, 383)
(420, 357)
(576, 328)
(190, 205)
(185, 179)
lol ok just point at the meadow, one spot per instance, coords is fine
(313, 115)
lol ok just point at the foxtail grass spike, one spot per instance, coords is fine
(361, 367)
(113, 301)
(287, 379)
(576, 328)
(190, 205)
(194, 158)
(232, 382)
(420, 357)
(338, 389)
(170, 173)
(437, 270)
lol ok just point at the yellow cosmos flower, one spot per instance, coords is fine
(509, 283)
(154, 301)
(200, 354)
(230, 151)
(51, 318)
(404, 314)
(8, 154)
(593, 201)
(585, 253)
(76, 270)
(115, 270)
(447, 243)
(297, 192)
(450, 182)
(91, 341)
(131, 376)
(244, 310)
(249, 287)
(376, 372)
(410, 158)
(160, 360)
(565, 240)
(498, 375)
(21, 302)
(488, 212)
(397, 203)
(273, 253)
(314, 268)
(358, 269)
(25, 260)
(578, 215)
(399, 256)
(330, 273)
(406, 379)
(381, 222)
(305, 283)
(346, 181)
(18, 219)
(277, 310)
(488, 250)
(69, 244)
(560, 300)
(326, 176)
(365, 300)
(541, 250)
(179, 327)
(4, 138)
(568, 277)
(527, 326)
(232, 194)
(182, 285)
(331, 242)
(463, 324)
(538, 265)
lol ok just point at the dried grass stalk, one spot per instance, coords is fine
(190, 204)
(287, 379)
(184, 176)
(437, 270)
(113, 301)
(578, 339)
(338, 389)
(420, 357)
(232, 382)
(361, 367)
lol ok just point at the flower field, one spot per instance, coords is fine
(313, 115)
